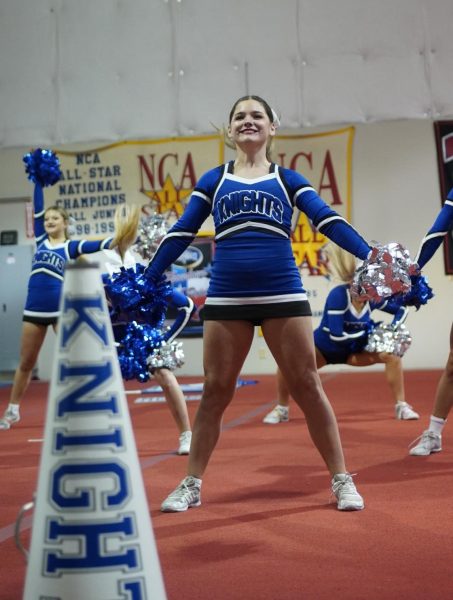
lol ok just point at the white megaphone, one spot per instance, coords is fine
(92, 537)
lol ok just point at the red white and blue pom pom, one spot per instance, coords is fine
(387, 271)
(42, 167)
(388, 338)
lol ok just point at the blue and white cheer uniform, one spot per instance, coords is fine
(436, 234)
(343, 329)
(48, 265)
(254, 273)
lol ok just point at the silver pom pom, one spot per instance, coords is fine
(150, 234)
(390, 339)
(168, 356)
(385, 272)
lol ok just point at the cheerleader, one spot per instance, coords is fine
(53, 250)
(162, 371)
(342, 336)
(255, 281)
(430, 441)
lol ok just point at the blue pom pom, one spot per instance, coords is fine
(42, 167)
(419, 293)
(133, 295)
(142, 304)
(137, 345)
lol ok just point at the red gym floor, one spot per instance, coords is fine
(267, 528)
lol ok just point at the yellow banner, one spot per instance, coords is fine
(158, 175)
(325, 160)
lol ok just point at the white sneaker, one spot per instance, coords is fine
(348, 498)
(9, 418)
(279, 414)
(185, 496)
(184, 442)
(405, 412)
(429, 442)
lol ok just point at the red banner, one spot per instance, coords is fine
(29, 231)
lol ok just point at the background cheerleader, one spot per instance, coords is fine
(342, 337)
(53, 250)
(431, 439)
(168, 355)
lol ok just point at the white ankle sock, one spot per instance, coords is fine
(340, 476)
(436, 424)
(13, 408)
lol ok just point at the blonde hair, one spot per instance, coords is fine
(65, 216)
(340, 263)
(126, 226)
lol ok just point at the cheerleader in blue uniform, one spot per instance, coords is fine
(255, 281)
(342, 335)
(54, 250)
(164, 375)
(430, 440)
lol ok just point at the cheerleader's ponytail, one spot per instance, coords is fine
(126, 225)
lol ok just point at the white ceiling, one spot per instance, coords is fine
(101, 70)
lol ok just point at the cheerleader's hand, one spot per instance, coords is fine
(419, 293)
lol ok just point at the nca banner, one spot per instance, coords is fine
(444, 144)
